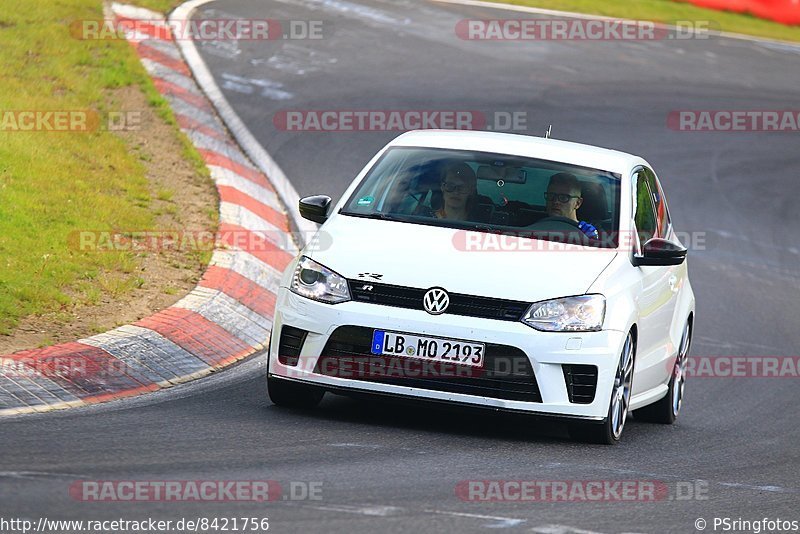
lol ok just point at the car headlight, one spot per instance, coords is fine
(317, 282)
(583, 313)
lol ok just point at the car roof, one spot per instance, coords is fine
(522, 145)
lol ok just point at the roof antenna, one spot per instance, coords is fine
(548, 132)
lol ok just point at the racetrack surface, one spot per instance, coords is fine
(395, 467)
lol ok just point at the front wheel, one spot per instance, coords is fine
(293, 395)
(666, 410)
(610, 430)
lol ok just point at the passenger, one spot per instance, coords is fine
(459, 192)
(563, 198)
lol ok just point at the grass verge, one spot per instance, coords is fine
(55, 183)
(162, 6)
(669, 11)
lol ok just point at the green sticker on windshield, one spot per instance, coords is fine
(365, 201)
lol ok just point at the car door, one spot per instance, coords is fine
(657, 299)
(664, 230)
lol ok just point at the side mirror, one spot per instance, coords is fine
(657, 251)
(315, 208)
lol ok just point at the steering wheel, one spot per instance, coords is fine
(555, 223)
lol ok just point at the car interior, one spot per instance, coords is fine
(406, 185)
(500, 193)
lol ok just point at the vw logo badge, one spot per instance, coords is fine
(436, 301)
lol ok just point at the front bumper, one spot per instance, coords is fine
(546, 351)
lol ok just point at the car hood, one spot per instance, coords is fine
(413, 255)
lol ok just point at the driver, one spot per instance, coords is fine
(563, 198)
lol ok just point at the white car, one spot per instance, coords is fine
(491, 270)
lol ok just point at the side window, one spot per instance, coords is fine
(662, 215)
(645, 217)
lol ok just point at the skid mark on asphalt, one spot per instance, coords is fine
(249, 86)
(229, 48)
(223, 49)
(297, 60)
(350, 9)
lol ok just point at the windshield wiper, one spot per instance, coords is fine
(381, 216)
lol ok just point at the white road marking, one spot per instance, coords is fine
(561, 529)
(664, 477)
(37, 474)
(501, 522)
(772, 489)
(375, 510)
(734, 344)
(566, 529)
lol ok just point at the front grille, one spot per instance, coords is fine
(460, 304)
(581, 383)
(291, 344)
(507, 373)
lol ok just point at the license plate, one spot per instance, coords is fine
(427, 348)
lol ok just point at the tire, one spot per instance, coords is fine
(610, 430)
(665, 411)
(292, 395)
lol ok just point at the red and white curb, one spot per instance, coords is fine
(228, 316)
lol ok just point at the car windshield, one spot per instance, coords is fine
(491, 193)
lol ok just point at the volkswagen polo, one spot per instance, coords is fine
(492, 270)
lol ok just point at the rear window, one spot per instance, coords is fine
(489, 192)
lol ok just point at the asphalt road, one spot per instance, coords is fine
(394, 467)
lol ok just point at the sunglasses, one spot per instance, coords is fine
(560, 197)
(454, 188)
